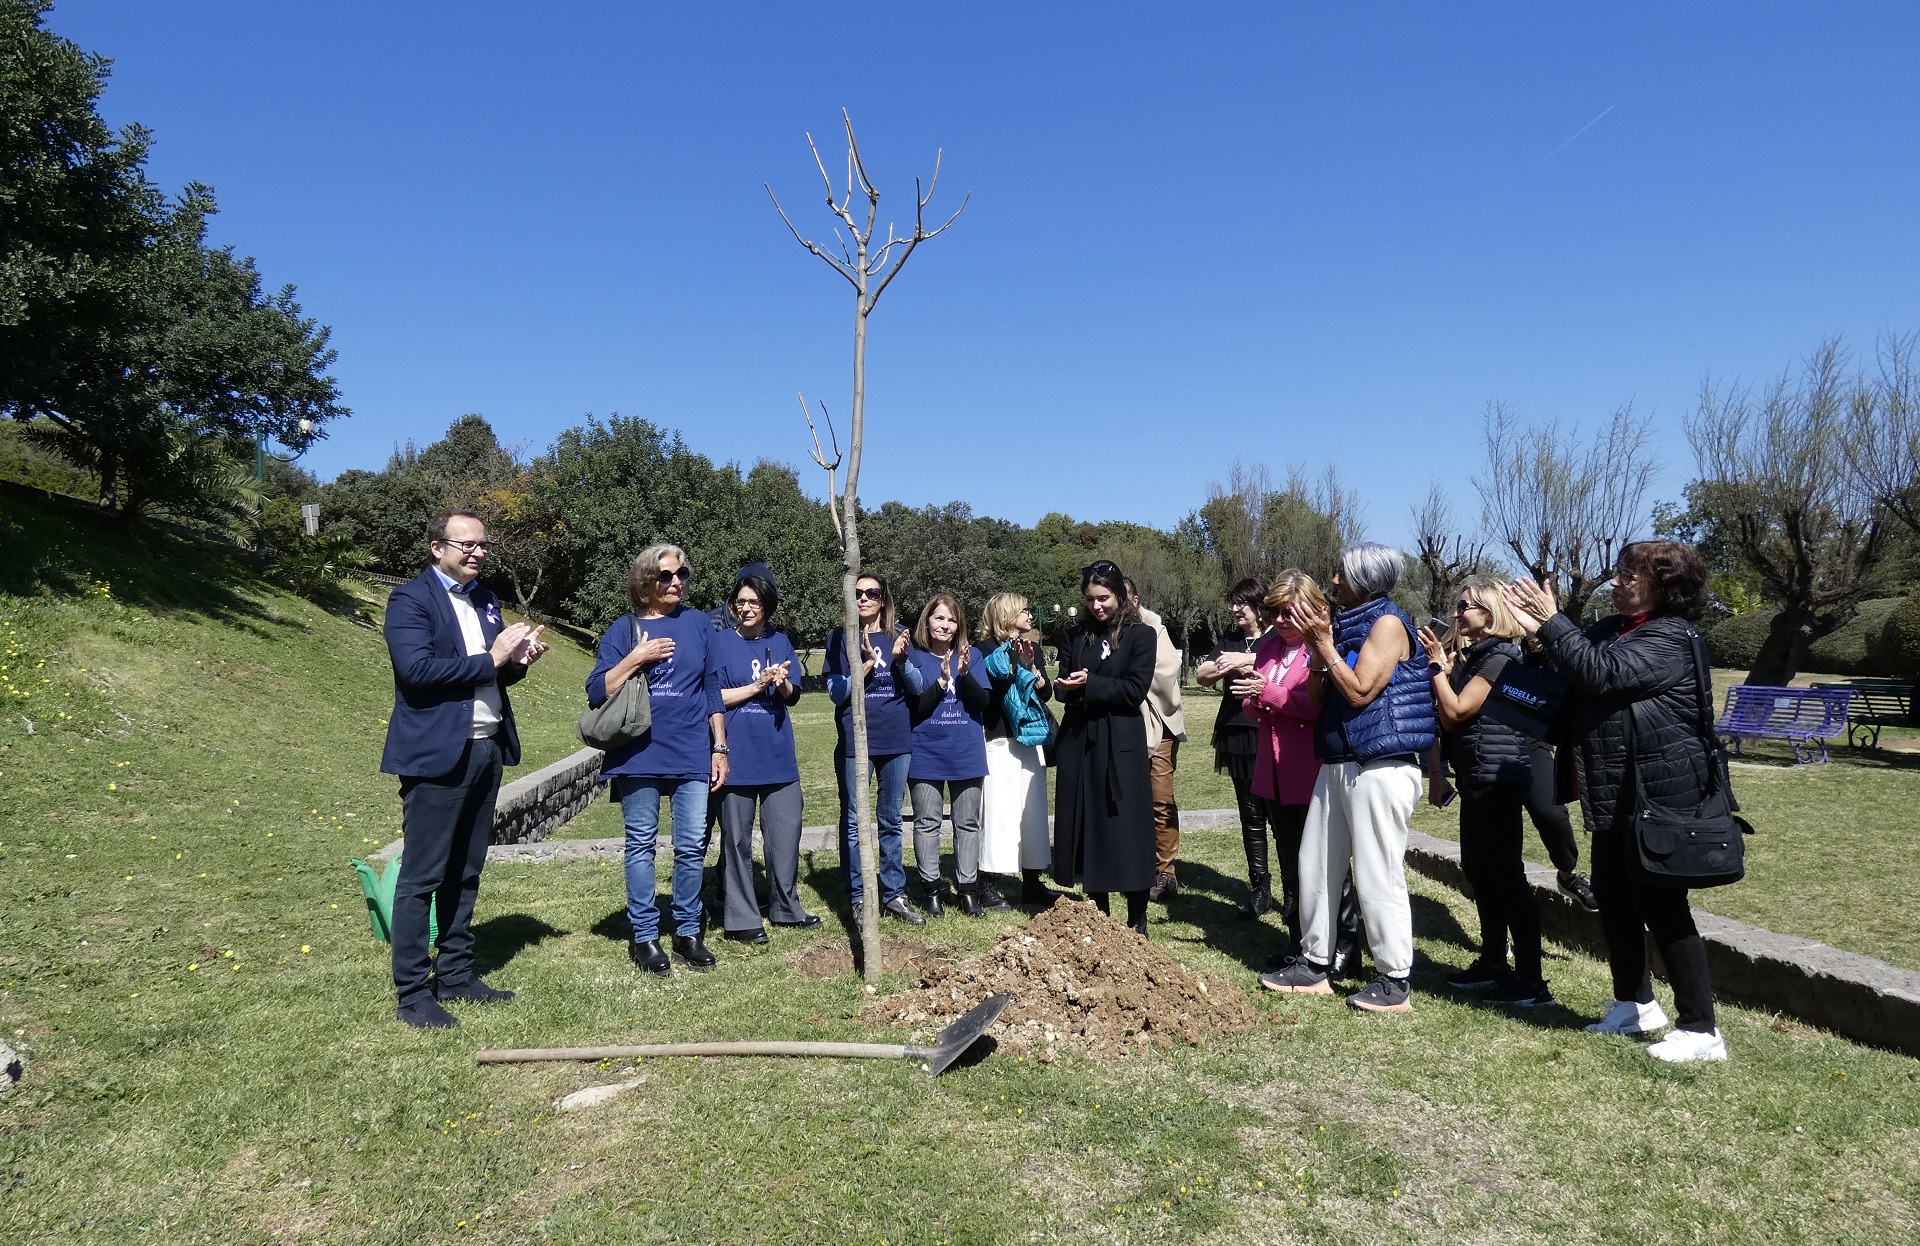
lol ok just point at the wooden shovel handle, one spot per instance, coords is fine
(860, 1051)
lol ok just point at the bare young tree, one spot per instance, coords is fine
(1883, 431)
(1563, 507)
(1776, 477)
(1448, 557)
(1253, 527)
(869, 265)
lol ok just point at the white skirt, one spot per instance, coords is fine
(1013, 809)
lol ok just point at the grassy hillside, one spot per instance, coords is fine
(212, 1056)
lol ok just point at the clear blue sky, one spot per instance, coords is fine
(1286, 233)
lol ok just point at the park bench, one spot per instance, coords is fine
(1877, 703)
(1803, 717)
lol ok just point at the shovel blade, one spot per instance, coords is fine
(964, 1032)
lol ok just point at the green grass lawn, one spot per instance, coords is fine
(185, 961)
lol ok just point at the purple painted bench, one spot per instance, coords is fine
(1803, 717)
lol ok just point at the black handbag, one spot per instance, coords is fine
(1689, 849)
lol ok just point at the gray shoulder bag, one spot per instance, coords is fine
(623, 717)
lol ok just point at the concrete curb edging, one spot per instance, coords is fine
(535, 805)
(1857, 996)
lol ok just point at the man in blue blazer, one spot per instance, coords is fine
(450, 736)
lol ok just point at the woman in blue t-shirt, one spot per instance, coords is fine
(681, 758)
(758, 682)
(945, 678)
(889, 744)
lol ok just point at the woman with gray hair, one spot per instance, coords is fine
(1377, 723)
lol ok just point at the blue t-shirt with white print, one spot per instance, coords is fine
(949, 744)
(684, 689)
(759, 730)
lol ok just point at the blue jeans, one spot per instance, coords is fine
(893, 789)
(640, 806)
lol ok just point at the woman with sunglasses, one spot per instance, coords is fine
(1103, 802)
(758, 683)
(1493, 770)
(681, 759)
(889, 744)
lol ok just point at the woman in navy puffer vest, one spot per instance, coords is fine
(1376, 726)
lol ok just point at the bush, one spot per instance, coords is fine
(1859, 648)
(1900, 638)
(1735, 643)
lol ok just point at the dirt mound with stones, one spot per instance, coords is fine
(1080, 982)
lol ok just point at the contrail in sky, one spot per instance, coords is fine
(1562, 147)
(1577, 133)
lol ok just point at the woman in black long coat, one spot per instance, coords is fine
(1103, 804)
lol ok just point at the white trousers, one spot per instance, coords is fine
(1013, 815)
(1360, 812)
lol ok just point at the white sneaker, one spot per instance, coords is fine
(1687, 1046)
(1626, 1016)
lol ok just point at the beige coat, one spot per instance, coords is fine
(1162, 709)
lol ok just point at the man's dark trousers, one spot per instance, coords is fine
(446, 824)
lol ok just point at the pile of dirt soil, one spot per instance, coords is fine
(1080, 982)
(835, 958)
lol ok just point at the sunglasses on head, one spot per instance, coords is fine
(1101, 567)
(681, 574)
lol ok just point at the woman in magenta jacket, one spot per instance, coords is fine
(1284, 765)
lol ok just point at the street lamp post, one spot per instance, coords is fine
(260, 453)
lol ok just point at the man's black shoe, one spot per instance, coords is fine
(805, 923)
(970, 902)
(757, 935)
(472, 991)
(691, 951)
(935, 894)
(900, 909)
(650, 958)
(424, 1012)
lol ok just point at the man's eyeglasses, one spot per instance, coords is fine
(869, 594)
(681, 574)
(468, 547)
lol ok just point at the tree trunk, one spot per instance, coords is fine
(872, 957)
(1784, 649)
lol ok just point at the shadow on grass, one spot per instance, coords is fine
(62, 550)
(1843, 755)
(498, 940)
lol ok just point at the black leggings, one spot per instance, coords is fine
(1253, 814)
(1490, 837)
(1550, 819)
(1136, 904)
(1629, 906)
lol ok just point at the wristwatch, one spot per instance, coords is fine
(1434, 668)
(720, 749)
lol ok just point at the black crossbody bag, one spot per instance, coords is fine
(1694, 848)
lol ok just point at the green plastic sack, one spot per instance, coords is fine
(379, 892)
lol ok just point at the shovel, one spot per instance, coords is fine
(948, 1047)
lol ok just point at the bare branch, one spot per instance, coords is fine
(834, 500)
(843, 269)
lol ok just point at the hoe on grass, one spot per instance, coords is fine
(949, 1046)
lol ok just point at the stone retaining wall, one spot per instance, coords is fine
(534, 806)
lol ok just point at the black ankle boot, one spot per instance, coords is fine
(1034, 891)
(1261, 902)
(1137, 912)
(969, 897)
(691, 951)
(990, 897)
(934, 895)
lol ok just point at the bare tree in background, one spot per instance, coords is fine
(1448, 558)
(869, 266)
(1775, 474)
(1883, 431)
(1564, 508)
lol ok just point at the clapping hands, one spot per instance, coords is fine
(1531, 604)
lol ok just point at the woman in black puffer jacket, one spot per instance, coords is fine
(1637, 669)
(1493, 769)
